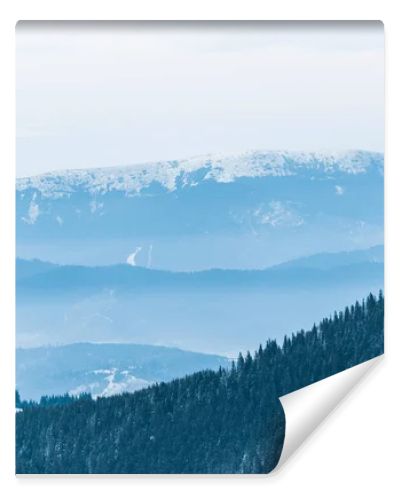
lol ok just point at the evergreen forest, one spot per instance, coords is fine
(225, 421)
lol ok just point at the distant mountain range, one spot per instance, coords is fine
(103, 369)
(25, 269)
(325, 261)
(132, 275)
(172, 175)
(246, 211)
(206, 254)
(319, 270)
(215, 311)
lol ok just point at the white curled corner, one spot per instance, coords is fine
(306, 408)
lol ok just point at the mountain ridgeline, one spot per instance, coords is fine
(104, 369)
(223, 421)
(318, 270)
(222, 311)
(206, 212)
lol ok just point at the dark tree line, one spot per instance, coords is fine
(225, 421)
(49, 400)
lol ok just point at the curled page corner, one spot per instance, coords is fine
(308, 407)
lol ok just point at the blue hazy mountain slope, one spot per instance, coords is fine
(339, 259)
(81, 279)
(246, 211)
(103, 369)
(216, 311)
(28, 268)
(123, 274)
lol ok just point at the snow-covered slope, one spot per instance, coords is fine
(103, 369)
(243, 211)
(170, 174)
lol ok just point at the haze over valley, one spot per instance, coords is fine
(204, 255)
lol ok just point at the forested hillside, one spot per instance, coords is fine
(226, 421)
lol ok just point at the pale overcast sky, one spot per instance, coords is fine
(91, 95)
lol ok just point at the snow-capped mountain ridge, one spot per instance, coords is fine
(188, 172)
(240, 211)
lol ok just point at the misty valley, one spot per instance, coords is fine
(163, 308)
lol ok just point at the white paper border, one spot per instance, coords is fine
(356, 455)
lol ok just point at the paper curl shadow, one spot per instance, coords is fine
(308, 407)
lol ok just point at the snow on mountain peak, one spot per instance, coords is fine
(218, 167)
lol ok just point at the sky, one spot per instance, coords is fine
(103, 94)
